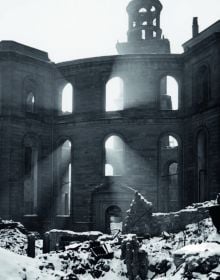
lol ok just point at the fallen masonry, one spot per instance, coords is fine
(192, 253)
(141, 221)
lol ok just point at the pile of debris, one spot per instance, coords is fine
(13, 236)
(192, 253)
(142, 221)
(86, 260)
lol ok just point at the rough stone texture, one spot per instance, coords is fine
(136, 260)
(54, 237)
(141, 221)
(139, 217)
(141, 125)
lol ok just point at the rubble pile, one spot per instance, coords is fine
(13, 236)
(82, 262)
(135, 258)
(192, 253)
(142, 221)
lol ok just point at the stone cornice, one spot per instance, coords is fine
(199, 48)
(108, 61)
(8, 56)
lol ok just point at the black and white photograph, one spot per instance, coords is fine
(109, 139)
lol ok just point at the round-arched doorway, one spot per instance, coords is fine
(113, 219)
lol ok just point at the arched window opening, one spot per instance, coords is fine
(144, 23)
(143, 34)
(169, 142)
(142, 10)
(172, 142)
(114, 95)
(30, 103)
(169, 94)
(153, 9)
(155, 22)
(65, 179)
(67, 99)
(114, 156)
(169, 169)
(113, 217)
(203, 84)
(202, 159)
(30, 180)
(154, 34)
(134, 24)
(173, 169)
(109, 170)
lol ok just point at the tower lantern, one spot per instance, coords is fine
(144, 33)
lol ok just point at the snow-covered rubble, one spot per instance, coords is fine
(68, 265)
(17, 267)
(13, 238)
(82, 263)
(193, 253)
(162, 250)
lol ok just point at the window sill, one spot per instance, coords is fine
(62, 216)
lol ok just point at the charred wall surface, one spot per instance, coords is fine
(170, 175)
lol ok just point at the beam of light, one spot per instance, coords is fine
(140, 171)
(129, 167)
(114, 153)
(61, 162)
(64, 173)
(31, 183)
(134, 92)
(138, 89)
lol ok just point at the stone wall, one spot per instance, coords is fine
(141, 221)
(141, 125)
(55, 238)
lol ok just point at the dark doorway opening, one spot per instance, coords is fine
(113, 220)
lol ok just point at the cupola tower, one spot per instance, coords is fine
(144, 32)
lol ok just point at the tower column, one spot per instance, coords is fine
(144, 32)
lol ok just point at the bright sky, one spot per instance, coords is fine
(71, 29)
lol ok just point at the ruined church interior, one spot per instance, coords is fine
(80, 138)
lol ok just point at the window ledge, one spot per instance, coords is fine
(63, 216)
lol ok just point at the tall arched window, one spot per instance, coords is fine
(114, 95)
(65, 179)
(67, 99)
(169, 93)
(202, 162)
(114, 156)
(173, 186)
(30, 178)
(143, 34)
(169, 169)
(203, 91)
(30, 103)
(31, 90)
